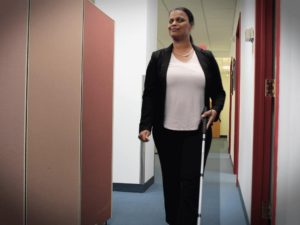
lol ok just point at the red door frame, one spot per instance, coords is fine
(276, 125)
(237, 99)
(262, 140)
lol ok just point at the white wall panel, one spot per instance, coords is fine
(133, 45)
(288, 183)
(246, 104)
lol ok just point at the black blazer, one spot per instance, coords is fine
(153, 106)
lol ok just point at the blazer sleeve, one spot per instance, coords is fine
(148, 99)
(217, 91)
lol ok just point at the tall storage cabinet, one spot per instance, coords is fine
(13, 70)
(97, 89)
(59, 78)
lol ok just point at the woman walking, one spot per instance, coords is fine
(181, 80)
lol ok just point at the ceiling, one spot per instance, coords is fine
(214, 23)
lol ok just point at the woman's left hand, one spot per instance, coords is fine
(210, 115)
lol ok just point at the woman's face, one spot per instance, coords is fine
(179, 25)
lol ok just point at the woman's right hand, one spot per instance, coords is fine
(144, 135)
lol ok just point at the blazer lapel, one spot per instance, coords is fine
(165, 61)
(203, 61)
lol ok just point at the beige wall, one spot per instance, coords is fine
(224, 128)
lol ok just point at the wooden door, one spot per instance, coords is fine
(265, 113)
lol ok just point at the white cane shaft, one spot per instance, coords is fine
(202, 154)
(201, 180)
(200, 201)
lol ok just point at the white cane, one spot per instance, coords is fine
(204, 122)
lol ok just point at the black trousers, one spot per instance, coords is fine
(180, 154)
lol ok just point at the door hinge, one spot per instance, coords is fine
(270, 89)
(266, 211)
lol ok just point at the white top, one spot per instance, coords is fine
(184, 94)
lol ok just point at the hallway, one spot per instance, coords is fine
(72, 75)
(221, 200)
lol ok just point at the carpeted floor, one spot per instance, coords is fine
(221, 200)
